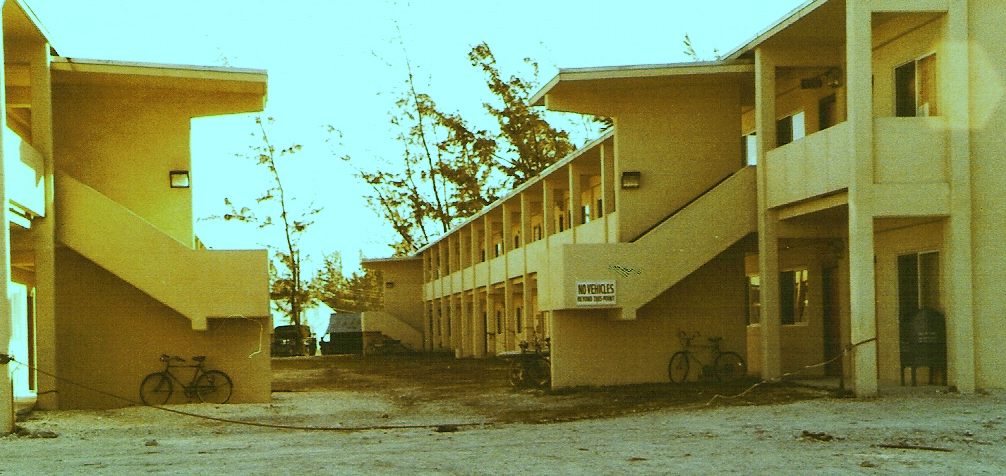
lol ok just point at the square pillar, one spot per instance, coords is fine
(862, 273)
(957, 232)
(768, 223)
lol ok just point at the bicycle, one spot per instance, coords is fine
(209, 386)
(530, 367)
(726, 367)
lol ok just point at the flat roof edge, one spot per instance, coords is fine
(127, 67)
(390, 259)
(641, 71)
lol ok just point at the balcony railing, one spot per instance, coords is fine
(815, 165)
(907, 150)
(910, 150)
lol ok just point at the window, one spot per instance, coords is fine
(790, 128)
(536, 232)
(793, 297)
(827, 112)
(585, 214)
(518, 313)
(516, 240)
(753, 313)
(915, 88)
(499, 321)
(918, 282)
(749, 147)
(600, 208)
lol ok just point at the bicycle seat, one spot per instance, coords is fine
(199, 358)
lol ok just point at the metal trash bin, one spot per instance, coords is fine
(924, 344)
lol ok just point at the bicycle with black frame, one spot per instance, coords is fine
(531, 366)
(209, 386)
(726, 366)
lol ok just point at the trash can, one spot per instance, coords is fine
(924, 344)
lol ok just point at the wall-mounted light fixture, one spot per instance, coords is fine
(631, 179)
(389, 284)
(179, 179)
(831, 78)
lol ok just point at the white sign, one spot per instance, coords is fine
(595, 293)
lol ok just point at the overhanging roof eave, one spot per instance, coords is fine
(694, 68)
(159, 70)
(790, 18)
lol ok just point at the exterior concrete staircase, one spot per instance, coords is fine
(198, 284)
(670, 251)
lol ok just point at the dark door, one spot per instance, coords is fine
(832, 322)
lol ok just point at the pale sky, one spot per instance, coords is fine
(340, 63)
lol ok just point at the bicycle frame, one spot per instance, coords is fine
(189, 388)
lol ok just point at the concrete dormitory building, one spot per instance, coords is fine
(103, 271)
(811, 191)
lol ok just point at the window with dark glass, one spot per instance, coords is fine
(915, 88)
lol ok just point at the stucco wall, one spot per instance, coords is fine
(123, 141)
(668, 134)
(988, 174)
(110, 336)
(590, 349)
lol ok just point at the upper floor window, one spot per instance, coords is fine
(827, 112)
(790, 128)
(915, 88)
(749, 144)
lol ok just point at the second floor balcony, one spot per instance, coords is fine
(907, 151)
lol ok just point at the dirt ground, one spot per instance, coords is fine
(437, 415)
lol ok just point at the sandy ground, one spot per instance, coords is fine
(928, 432)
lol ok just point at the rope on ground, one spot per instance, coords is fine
(441, 427)
(845, 351)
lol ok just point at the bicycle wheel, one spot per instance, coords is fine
(156, 389)
(214, 386)
(539, 373)
(515, 374)
(730, 366)
(677, 368)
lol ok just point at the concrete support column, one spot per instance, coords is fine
(454, 323)
(768, 234)
(44, 232)
(507, 230)
(6, 385)
(478, 326)
(608, 185)
(573, 206)
(525, 222)
(492, 331)
(428, 332)
(488, 237)
(958, 263)
(862, 273)
(442, 308)
(548, 209)
(508, 310)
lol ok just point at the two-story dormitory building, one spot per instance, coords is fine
(101, 267)
(815, 188)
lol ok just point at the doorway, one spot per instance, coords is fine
(832, 321)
